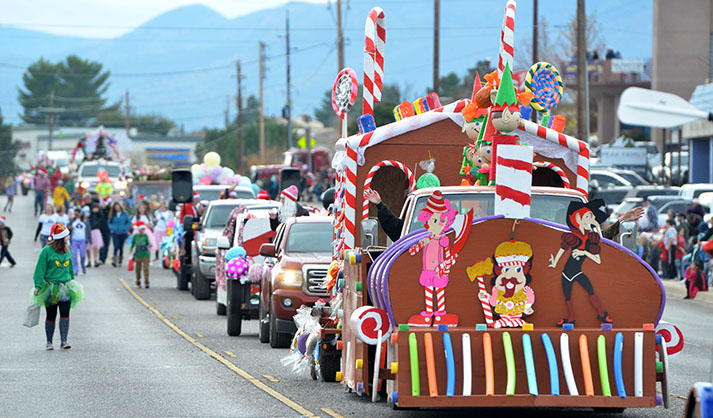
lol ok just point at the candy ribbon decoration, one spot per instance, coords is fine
(367, 321)
(544, 82)
(672, 337)
(507, 38)
(374, 44)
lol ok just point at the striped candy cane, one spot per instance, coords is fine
(507, 38)
(487, 310)
(374, 44)
(556, 169)
(375, 168)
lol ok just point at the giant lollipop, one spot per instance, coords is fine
(344, 94)
(544, 82)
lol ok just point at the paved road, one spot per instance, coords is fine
(129, 360)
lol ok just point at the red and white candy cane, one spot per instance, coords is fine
(375, 168)
(507, 38)
(487, 309)
(554, 167)
(344, 92)
(374, 44)
(367, 321)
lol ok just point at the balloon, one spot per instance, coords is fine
(244, 181)
(202, 166)
(195, 169)
(212, 159)
(255, 188)
(195, 181)
(228, 171)
(217, 170)
(201, 175)
(206, 180)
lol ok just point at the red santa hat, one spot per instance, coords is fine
(58, 231)
(264, 195)
(435, 203)
(140, 225)
(2, 219)
(291, 193)
(196, 195)
(42, 170)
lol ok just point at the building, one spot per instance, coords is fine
(699, 135)
(164, 151)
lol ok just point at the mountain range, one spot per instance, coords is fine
(182, 63)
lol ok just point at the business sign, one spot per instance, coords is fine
(627, 65)
(623, 156)
(168, 156)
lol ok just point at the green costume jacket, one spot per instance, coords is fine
(53, 267)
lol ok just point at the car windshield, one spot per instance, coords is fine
(310, 237)
(162, 191)
(654, 192)
(626, 205)
(210, 194)
(217, 216)
(634, 178)
(701, 191)
(551, 208)
(245, 194)
(90, 170)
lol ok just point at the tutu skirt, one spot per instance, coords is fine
(97, 240)
(53, 293)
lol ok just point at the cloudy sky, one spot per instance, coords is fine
(69, 17)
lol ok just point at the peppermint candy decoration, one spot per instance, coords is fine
(367, 321)
(344, 92)
(235, 252)
(672, 337)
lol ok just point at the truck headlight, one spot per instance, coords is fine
(84, 185)
(290, 278)
(121, 185)
(208, 245)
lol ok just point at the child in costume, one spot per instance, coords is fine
(80, 236)
(5, 237)
(55, 287)
(142, 255)
(437, 216)
(584, 222)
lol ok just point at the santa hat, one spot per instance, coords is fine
(58, 231)
(196, 195)
(140, 225)
(2, 219)
(42, 170)
(291, 193)
(435, 203)
(264, 195)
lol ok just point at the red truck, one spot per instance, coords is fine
(297, 158)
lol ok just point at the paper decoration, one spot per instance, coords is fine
(584, 221)
(374, 44)
(513, 181)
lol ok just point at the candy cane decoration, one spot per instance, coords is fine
(375, 168)
(507, 38)
(370, 323)
(487, 310)
(556, 169)
(513, 180)
(374, 44)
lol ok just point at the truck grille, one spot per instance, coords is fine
(315, 278)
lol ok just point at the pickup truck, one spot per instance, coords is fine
(87, 176)
(303, 248)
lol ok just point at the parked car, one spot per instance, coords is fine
(303, 249)
(677, 206)
(694, 190)
(205, 245)
(632, 177)
(607, 178)
(671, 160)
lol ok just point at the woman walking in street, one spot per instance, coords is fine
(96, 216)
(10, 190)
(163, 217)
(55, 287)
(119, 225)
(80, 235)
(44, 227)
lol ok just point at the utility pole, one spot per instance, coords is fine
(241, 145)
(582, 74)
(288, 106)
(340, 38)
(127, 116)
(262, 117)
(308, 145)
(436, 37)
(227, 111)
(535, 44)
(51, 120)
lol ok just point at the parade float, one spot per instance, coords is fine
(501, 290)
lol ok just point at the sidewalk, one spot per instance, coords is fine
(677, 290)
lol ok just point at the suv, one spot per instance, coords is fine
(303, 248)
(212, 192)
(87, 176)
(204, 245)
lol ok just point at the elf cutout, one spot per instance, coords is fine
(584, 222)
(437, 216)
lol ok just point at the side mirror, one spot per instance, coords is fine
(223, 243)
(267, 250)
(594, 184)
(369, 232)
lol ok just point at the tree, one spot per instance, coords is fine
(114, 117)
(449, 86)
(77, 84)
(8, 150)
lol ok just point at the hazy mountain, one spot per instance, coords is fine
(154, 60)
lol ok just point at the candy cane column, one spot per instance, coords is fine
(374, 44)
(507, 38)
(513, 181)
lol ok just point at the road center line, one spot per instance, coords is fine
(240, 372)
(331, 413)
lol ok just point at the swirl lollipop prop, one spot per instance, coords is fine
(544, 82)
(344, 94)
(369, 323)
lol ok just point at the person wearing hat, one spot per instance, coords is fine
(190, 209)
(584, 221)
(288, 207)
(5, 237)
(41, 184)
(140, 249)
(263, 195)
(55, 287)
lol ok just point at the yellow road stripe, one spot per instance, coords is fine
(240, 372)
(199, 335)
(331, 413)
(230, 354)
(175, 318)
(271, 378)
